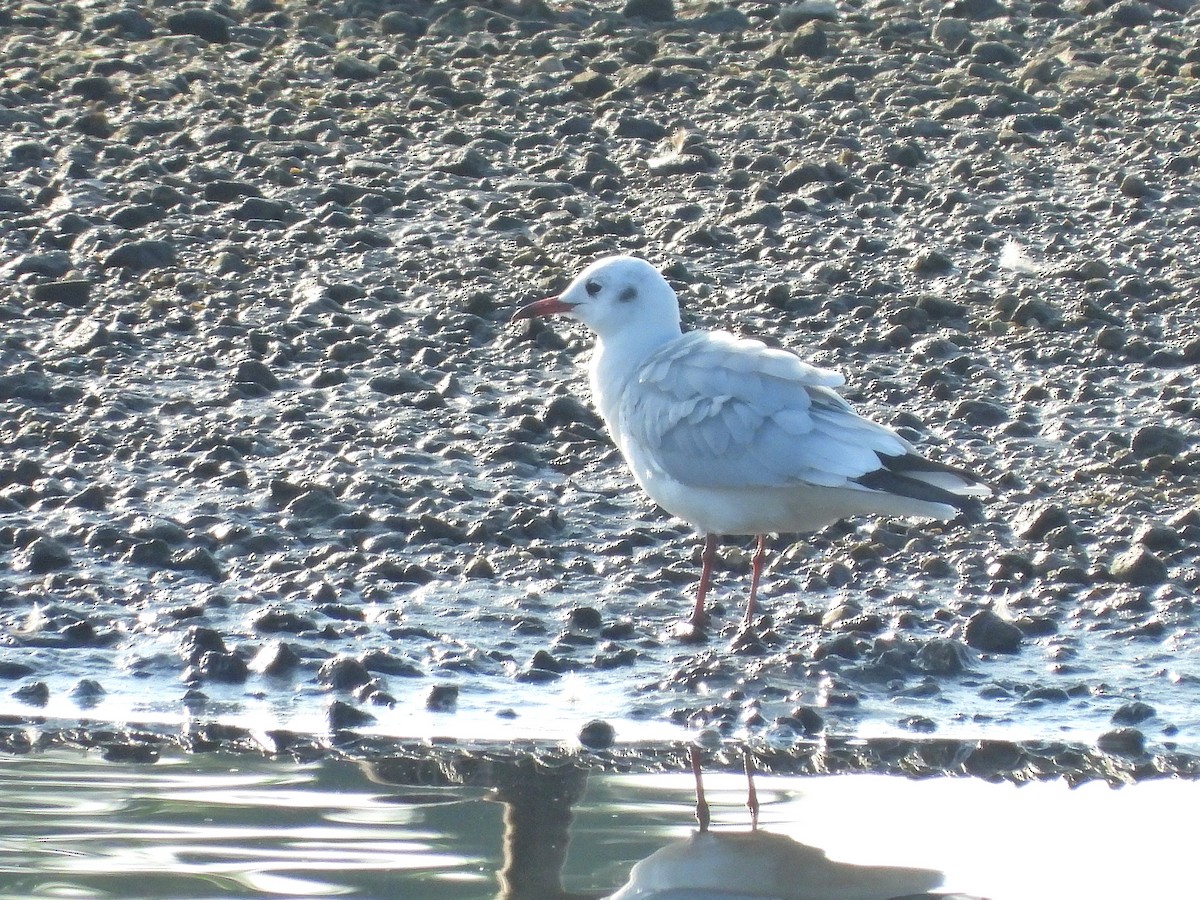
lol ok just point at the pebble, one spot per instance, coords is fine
(989, 633)
(1139, 565)
(597, 735)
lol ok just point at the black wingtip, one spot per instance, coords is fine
(901, 475)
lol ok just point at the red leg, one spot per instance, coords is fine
(701, 804)
(699, 616)
(756, 568)
(751, 793)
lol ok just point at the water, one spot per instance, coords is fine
(216, 826)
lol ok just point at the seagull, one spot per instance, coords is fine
(735, 437)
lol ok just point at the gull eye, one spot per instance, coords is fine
(592, 287)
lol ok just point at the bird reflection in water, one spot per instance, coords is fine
(757, 864)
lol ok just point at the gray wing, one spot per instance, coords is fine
(714, 410)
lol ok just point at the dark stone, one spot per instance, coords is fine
(87, 693)
(140, 255)
(597, 735)
(992, 759)
(585, 618)
(989, 633)
(93, 87)
(943, 656)
(1133, 713)
(36, 693)
(203, 23)
(275, 659)
(343, 673)
(342, 715)
(355, 69)
(43, 555)
(398, 383)
(1131, 14)
(1158, 440)
(1035, 521)
(652, 10)
(1127, 742)
(397, 22)
(51, 264)
(1139, 565)
(272, 620)
(386, 663)
(10, 671)
(980, 413)
(199, 640)
(223, 666)
(442, 697)
(259, 208)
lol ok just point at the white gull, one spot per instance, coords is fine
(733, 436)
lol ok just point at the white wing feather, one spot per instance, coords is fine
(714, 410)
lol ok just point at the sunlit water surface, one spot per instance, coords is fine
(222, 826)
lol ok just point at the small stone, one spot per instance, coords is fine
(1133, 713)
(74, 292)
(255, 373)
(1158, 440)
(355, 69)
(203, 23)
(36, 693)
(41, 556)
(1139, 565)
(342, 715)
(343, 673)
(87, 693)
(93, 87)
(220, 666)
(954, 34)
(1131, 14)
(995, 53)
(140, 255)
(262, 210)
(652, 10)
(928, 261)
(276, 658)
(1134, 187)
(1036, 520)
(585, 618)
(10, 671)
(397, 22)
(272, 619)
(943, 656)
(989, 633)
(795, 15)
(1126, 742)
(597, 735)
(442, 697)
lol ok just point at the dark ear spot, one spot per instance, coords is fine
(628, 294)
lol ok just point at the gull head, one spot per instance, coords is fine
(613, 296)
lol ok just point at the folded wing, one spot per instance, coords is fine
(714, 410)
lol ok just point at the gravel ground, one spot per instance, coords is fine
(268, 437)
